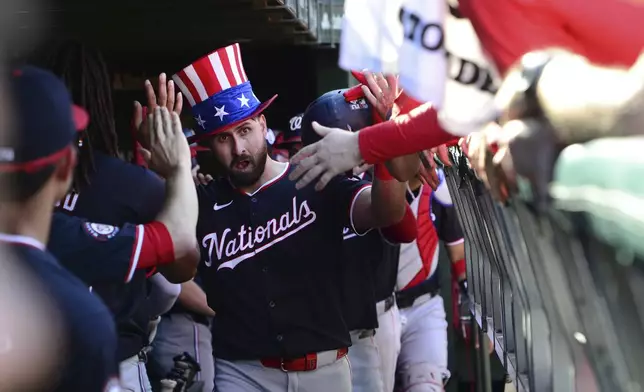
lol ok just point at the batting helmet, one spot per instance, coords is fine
(336, 109)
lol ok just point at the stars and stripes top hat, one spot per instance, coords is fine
(219, 92)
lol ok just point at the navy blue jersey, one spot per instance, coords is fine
(369, 275)
(96, 253)
(118, 193)
(89, 362)
(272, 266)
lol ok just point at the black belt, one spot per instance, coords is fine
(405, 298)
(143, 354)
(390, 302)
(367, 333)
(200, 318)
(196, 317)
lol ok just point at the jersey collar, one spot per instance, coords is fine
(267, 183)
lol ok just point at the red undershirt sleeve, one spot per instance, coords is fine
(402, 232)
(157, 247)
(409, 133)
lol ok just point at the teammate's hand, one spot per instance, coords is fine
(489, 157)
(168, 148)
(337, 152)
(166, 98)
(381, 92)
(427, 169)
(442, 154)
(361, 169)
(200, 178)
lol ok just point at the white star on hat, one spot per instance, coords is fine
(221, 112)
(244, 101)
(200, 121)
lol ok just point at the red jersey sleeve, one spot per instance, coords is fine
(508, 29)
(607, 32)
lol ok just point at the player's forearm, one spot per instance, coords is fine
(387, 198)
(407, 134)
(179, 215)
(404, 168)
(192, 297)
(162, 295)
(583, 101)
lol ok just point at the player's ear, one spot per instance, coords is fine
(65, 168)
(261, 119)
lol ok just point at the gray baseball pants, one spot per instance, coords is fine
(252, 376)
(176, 333)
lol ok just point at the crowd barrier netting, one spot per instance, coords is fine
(559, 293)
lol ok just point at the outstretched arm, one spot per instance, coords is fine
(381, 206)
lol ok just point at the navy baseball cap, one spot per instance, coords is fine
(45, 124)
(333, 110)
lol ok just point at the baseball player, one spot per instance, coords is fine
(109, 190)
(289, 141)
(525, 26)
(38, 162)
(272, 250)
(422, 363)
(371, 262)
(185, 328)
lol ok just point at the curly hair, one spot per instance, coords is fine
(85, 73)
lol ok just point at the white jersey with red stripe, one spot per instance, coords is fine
(419, 259)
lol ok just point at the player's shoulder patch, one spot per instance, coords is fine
(100, 231)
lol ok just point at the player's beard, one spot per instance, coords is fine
(256, 163)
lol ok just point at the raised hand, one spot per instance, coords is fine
(381, 92)
(200, 178)
(337, 152)
(166, 147)
(166, 98)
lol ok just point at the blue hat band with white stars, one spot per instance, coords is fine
(227, 107)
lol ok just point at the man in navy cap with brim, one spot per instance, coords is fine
(36, 166)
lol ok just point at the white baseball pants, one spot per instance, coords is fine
(388, 341)
(422, 363)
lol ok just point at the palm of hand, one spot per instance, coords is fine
(168, 148)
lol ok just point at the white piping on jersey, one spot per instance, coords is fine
(271, 181)
(134, 262)
(353, 205)
(274, 231)
(22, 239)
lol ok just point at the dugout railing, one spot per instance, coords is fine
(559, 293)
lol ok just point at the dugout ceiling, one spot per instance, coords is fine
(140, 27)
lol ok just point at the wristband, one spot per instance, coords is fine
(380, 172)
(157, 248)
(459, 268)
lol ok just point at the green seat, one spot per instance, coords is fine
(605, 179)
